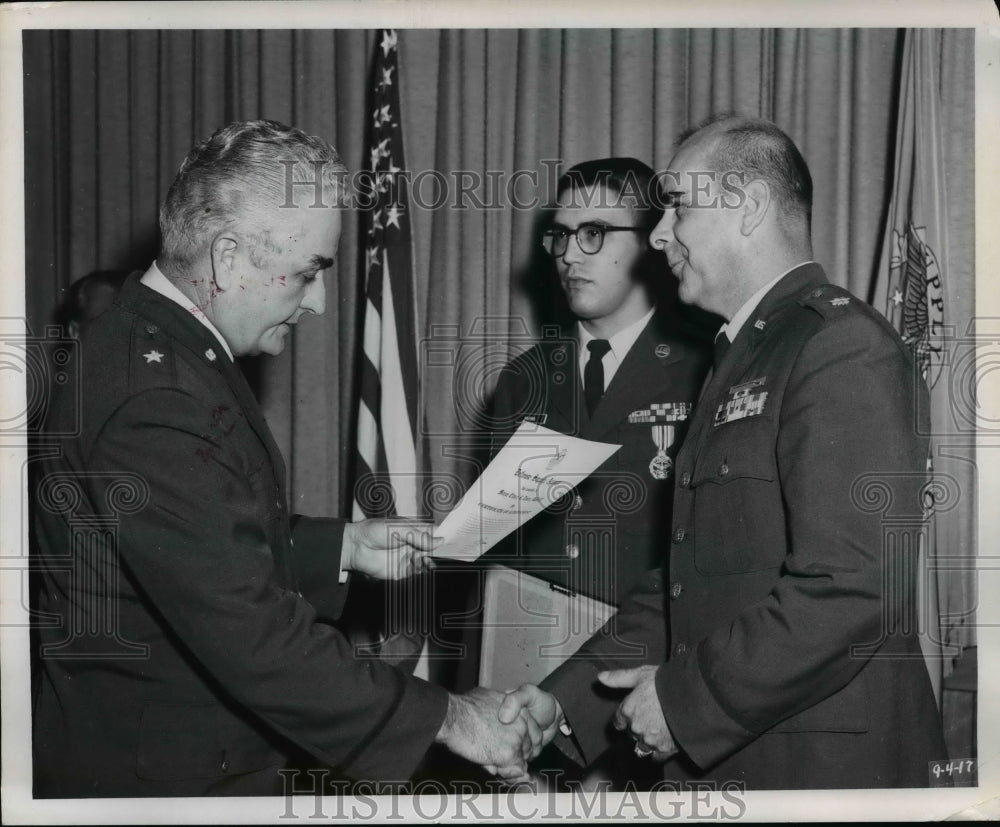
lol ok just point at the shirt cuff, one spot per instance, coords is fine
(344, 573)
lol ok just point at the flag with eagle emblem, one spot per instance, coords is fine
(909, 286)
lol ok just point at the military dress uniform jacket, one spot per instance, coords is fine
(793, 660)
(600, 538)
(189, 654)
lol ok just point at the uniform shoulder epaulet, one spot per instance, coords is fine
(153, 362)
(829, 300)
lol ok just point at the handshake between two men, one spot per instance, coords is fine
(504, 731)
(530, 717)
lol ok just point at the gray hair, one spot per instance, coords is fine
(758, 148)
(237, 177)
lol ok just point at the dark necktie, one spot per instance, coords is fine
(593, 373)
(722, 344)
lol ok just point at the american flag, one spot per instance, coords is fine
(387, 447)
(389, 456)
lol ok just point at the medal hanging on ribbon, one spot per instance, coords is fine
(661, 465)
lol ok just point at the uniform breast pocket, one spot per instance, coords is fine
(739, 521)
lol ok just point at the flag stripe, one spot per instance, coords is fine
(398, 395)
(388, 415)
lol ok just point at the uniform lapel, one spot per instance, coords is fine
(564, 387)
(741, 353)
(640, 378)
(238, 383)
(188, 332)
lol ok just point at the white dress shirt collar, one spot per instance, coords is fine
(735, 324)
(154, 279)
(621, 343)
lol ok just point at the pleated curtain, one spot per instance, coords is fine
(109, 115)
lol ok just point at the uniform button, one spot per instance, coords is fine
(685, 479)
(225, 765)
(723, 470)
(572, 551)
(577, 502)
(675, 590)
(151, 329)
(816, 293)
(679, 535)
(680, 649)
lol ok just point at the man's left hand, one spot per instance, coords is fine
(641, 712)
(387, 549)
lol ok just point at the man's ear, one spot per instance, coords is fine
(755, 205)
(224, 261)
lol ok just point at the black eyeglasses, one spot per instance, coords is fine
(589, 237)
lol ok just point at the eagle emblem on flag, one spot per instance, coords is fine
(915, 302)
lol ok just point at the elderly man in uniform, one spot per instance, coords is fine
(791, 661)
(193, 653)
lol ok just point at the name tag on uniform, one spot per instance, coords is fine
(742, 401)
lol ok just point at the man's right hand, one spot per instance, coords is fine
(473, 729)
(387, 549)
(538, 706)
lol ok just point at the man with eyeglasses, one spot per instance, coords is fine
(633, 380)
(624, 374)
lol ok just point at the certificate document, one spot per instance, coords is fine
(534, 469)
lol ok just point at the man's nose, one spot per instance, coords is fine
(314, 299)
(663, 232)
(573, 252)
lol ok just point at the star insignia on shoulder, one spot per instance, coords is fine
(840, 301)
(153, 356)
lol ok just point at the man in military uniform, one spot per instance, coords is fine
(192, 652)
(793, 661)
(627, 373)
(629, 376)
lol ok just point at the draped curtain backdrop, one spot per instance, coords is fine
(109, 115)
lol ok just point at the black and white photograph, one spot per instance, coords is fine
(474, 412)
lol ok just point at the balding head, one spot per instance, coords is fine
(756, 149)
(739, 212)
